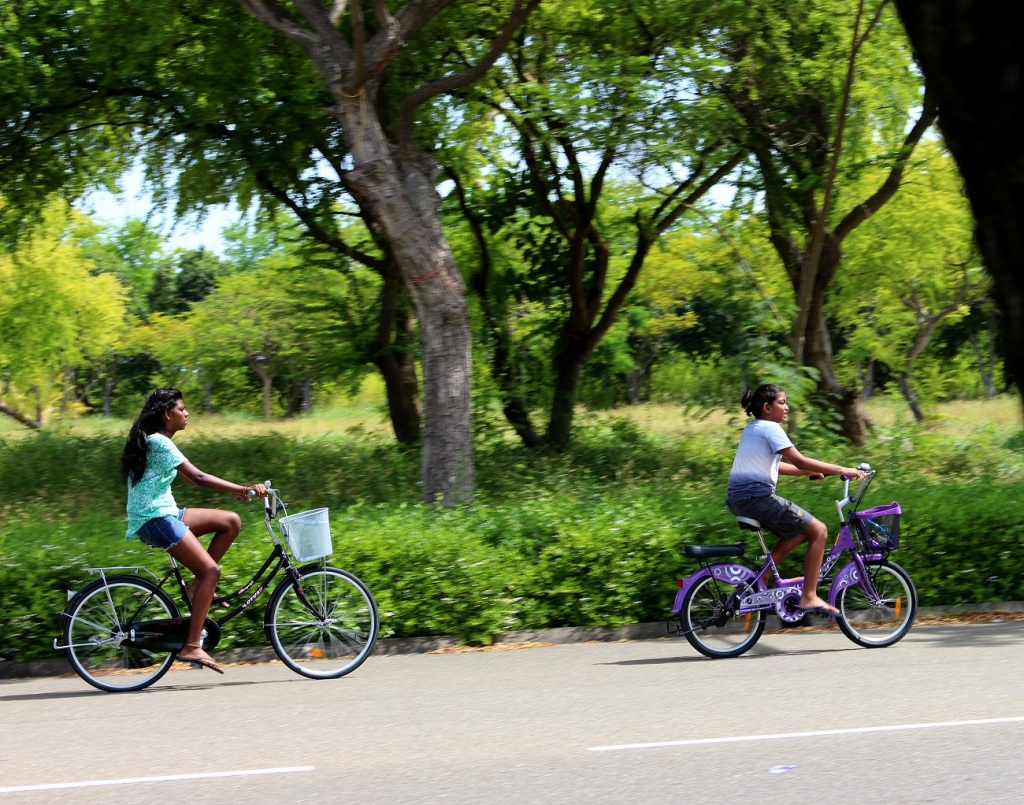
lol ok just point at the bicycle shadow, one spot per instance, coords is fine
(973, 635)
(760, 652)
(156, 689)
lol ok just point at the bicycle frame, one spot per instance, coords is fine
(745, 597)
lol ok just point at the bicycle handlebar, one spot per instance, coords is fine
(847, 499)
(271, 501)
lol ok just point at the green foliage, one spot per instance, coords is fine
(56, 314)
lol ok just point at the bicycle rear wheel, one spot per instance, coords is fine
(879, 621)
(334, 634)
(712, 628)
(97, 633)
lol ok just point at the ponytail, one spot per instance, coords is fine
(133, 457)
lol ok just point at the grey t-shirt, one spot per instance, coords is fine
(755, 470)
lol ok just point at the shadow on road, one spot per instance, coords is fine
(157, 688)
(955, 635)
(759, 652)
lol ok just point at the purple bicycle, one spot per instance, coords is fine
(723, 607)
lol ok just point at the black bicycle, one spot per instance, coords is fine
(123, 631)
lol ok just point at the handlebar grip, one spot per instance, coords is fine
(250, 493)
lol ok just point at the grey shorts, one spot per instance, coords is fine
(163, 532)
(780, 516)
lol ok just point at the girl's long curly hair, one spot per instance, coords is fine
(133, 457)
(753, 402)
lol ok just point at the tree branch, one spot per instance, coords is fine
(313, 227)
(403, 127)
(888, 188)
(276, 17)
(337, 11)
(24, 420)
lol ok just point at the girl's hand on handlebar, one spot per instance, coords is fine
(250, 492)
(852, 472)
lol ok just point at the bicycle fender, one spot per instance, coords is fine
(850, 574)
(726, 572)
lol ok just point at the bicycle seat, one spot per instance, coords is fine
(710, 551)
(748, 524)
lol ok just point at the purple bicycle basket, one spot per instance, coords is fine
(877, 529)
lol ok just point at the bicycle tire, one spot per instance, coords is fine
(886, 620)
(712, 631)
(96, 637)
(334, 639)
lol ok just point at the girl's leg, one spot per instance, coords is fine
(784, 547)
(816, 535)
(190, 552)
(224, 525)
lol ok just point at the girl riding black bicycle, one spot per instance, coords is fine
(149, 463)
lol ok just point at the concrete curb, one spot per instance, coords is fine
(425, 645)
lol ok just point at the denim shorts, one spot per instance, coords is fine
(780, 516)
(163, 532)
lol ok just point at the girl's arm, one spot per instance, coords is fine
(811, 466)
(195, 476)
(785, 468)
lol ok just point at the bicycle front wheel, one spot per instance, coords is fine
(884, 618)
(98, 624)
(712, 627)
(330, 629)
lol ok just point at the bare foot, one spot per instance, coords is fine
(816, 602)
(197, 655)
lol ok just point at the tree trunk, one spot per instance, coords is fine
(267, 379)
(634, 383)
(513, 406)
(108, 393)
(866, 374)
(971, 56)
(307, 395)
(569, 361)
(907, 390)
(814, 342)
(986, 365)
(818, 355)
(392, 354)
(399, 194)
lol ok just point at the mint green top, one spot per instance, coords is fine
(151, 496)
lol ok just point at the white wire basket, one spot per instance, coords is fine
(308, 534)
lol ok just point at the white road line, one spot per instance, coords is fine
(813, 734)
(163, 779)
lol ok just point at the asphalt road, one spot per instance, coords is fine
(937, 718)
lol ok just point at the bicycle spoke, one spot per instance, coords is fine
(712, 626)
(882, 617)
(328, 630)
(94, 640)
